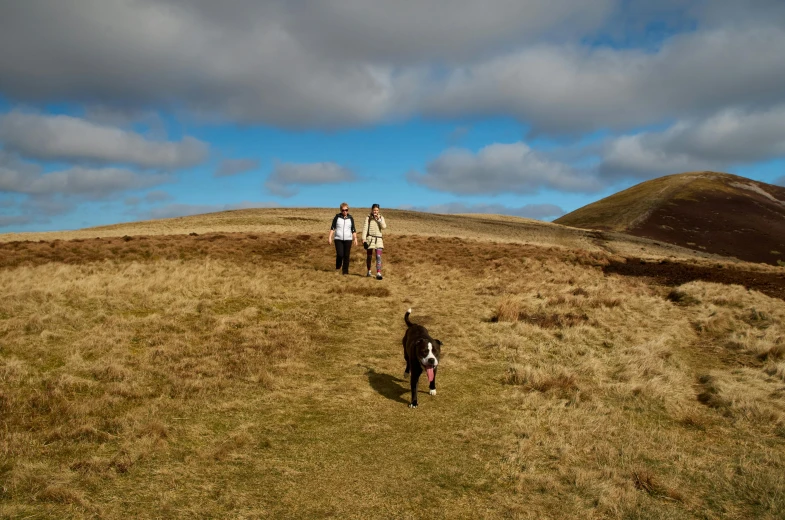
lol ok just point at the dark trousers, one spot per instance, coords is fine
(342, 250)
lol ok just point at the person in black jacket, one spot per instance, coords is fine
(345, 234)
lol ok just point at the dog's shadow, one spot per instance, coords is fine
(387, 385)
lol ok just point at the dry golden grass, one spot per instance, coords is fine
(235, 375)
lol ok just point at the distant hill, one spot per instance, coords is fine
(706, 211)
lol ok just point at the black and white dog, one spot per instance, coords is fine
(421, 352)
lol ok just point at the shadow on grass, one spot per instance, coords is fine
(387, 385)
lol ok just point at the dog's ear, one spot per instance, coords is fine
(439, 342)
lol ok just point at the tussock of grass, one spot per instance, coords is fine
(645, 480)
(682, 298)
(777, 370)
(561, 384)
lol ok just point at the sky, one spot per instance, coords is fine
(127, 110)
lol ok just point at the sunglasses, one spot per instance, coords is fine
(345, 209)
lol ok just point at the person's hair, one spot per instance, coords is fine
(375, 206)
(343, 204)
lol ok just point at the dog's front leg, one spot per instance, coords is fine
(432, 385)
(415, 378)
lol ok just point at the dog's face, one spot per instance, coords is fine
(428, 351)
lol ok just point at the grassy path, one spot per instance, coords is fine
(333, 436)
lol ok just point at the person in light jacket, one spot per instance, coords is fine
(372, 235)
(344, 233)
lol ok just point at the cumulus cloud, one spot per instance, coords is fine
(61, 137)
(47, 204)
(34, 209)
(90, 183)
(332, 63)
(718, 142)
(184, 210)
(286, 176)
(15, 220)
(534, 211)
(444, 30)
(500, 168)
(236, 166)
(570, 88)
(242, 61)
(126, 117)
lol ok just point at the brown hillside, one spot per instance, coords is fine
(713, 212)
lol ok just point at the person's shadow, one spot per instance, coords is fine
(387, 385)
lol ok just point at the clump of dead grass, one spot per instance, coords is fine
(777, 370)
(680, 297)
(559, 383)
(512, 309)
(644, 480)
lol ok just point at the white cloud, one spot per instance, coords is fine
(236, 166)
(47, 205)
(570, 88)
(286, 176)
(442, 30)
(718, 142)
(62, 137)
(90, 183)
(15, 220)
(501, 168)
(125, 117)
(332, 63)
(94, 183)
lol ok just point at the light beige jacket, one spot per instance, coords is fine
(373, 233)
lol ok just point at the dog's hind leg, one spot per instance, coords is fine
(406, 357)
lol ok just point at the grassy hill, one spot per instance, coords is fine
(216, 366)
(706, 211)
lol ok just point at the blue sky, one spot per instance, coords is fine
(125, 110)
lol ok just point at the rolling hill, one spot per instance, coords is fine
(706, 211)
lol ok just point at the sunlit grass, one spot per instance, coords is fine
(235, 375)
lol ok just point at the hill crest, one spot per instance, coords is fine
(706, 211)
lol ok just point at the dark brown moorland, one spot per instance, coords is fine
(711, 212)
(464, 254)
